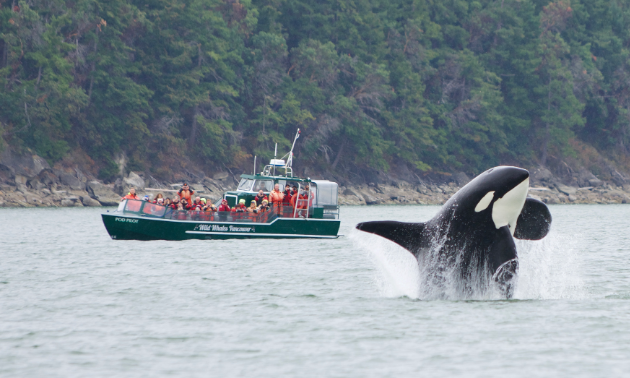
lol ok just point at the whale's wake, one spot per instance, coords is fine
(548, 269)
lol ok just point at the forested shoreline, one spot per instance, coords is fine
(431, 86)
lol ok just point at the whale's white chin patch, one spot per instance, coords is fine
(506, 210)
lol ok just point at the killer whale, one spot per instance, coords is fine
(471, 239)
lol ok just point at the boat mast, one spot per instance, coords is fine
(289, 163)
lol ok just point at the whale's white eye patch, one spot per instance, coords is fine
(506, 209)
(484, 202)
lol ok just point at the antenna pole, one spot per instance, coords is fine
(254, 165)
(290, 158)
(275, 154)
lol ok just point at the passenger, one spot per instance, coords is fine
(146, 198)
(185, 204)
(240, 208)
(186, 192)
(224, 206)
(308, 191)
(208, 206)
(286, 200)
(167, 202)
(264, 206)
(131, 195)
(252, 207)
(160, 201)
(181, 212)
(175, 204)
(261, 197)
(197, 203)
(157, 197)
(276, 196)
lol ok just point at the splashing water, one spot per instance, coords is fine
(548, 269)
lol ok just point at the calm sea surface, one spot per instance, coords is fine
(74, 303)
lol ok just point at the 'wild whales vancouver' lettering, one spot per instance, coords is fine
(220, 228)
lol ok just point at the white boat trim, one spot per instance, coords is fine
(123, 215)
(254, 234)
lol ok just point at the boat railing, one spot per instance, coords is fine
(148, 209)
(275, 210)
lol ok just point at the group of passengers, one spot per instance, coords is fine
(261, 203)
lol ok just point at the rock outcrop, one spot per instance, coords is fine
(29, 181)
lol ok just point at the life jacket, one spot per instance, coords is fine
(239, 209)
(186, 194)
(181, 214)
(287, 197)
(130, 196)
(259, 200)
(276, 196)
(301, 202)
(224, 208)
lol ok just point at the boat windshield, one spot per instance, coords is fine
(144, 208)
(245, 185)
(153, 210)
(264, 185)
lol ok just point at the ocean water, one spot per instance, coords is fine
(74, 303)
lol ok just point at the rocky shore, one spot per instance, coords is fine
(438, 194)
(28, 181)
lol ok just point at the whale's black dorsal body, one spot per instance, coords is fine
(471, 237)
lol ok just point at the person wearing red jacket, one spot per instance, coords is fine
(287, 195)
(260, 197)
(197, 203)
(224, 206)
(240, 208)
(175, 203)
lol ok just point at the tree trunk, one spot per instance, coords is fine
(193, 132)
(93, 69)
(543, 158)
(334, 164)
(39, 78)
(4, 54)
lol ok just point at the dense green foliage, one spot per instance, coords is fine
(438, 85)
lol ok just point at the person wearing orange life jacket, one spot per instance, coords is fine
(276, 196)
(131, 195)
(307, 191)
(186, 193)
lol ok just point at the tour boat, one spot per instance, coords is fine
(314, 216)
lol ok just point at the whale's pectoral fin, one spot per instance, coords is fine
(408, 235)
(503, 262)
(534, 221)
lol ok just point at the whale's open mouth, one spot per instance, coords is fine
(506, 209)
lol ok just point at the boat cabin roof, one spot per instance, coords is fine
(274, 178)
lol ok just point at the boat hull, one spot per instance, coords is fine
(125, 227)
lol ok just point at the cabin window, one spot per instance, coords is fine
(264, 185)
(245, 185)
(326, 193)
(153, 209)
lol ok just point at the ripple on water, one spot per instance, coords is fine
(75, 303)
